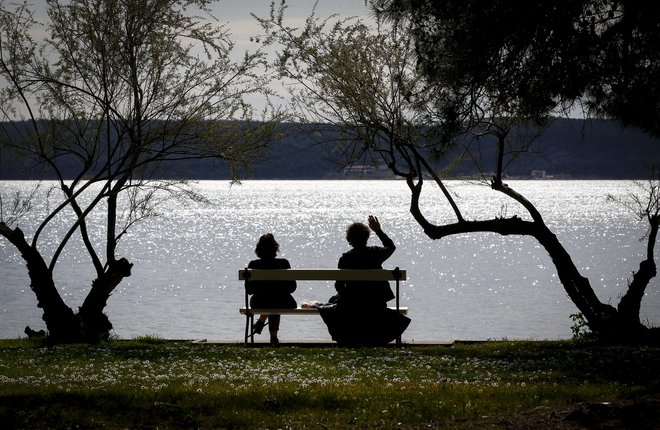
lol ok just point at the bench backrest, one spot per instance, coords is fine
(322, 274)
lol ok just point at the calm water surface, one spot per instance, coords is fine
(477, 286)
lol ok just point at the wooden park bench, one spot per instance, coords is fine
(313, 275)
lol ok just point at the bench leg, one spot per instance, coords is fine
(251, 328)
(249, 319)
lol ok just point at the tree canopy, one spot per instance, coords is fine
(440, 77)
(117, 89)
(532, 57)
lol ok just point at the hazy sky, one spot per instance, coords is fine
(236, 13)
(236, 16)
(241, 9)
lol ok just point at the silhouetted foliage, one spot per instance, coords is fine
(535, 55)
(447, 83)
(115, 92)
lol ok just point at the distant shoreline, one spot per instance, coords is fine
(569, 149)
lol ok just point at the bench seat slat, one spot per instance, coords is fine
(312, 275)
(298, 311)
(321, 275)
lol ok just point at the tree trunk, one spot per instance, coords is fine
(90, 324)
(602, 318)
(631, 302)
(608, 323)
(59, 318)
(94, 324)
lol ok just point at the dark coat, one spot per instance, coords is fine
(371, 294)
(359, 315)
(271, 294)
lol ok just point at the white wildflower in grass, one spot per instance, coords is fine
(407, 383)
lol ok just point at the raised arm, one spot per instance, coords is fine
(388, 245)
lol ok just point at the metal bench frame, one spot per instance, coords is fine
(396, 275)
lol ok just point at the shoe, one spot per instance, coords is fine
(274, 341)
(258, 327)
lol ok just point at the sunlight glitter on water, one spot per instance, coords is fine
(473, 286)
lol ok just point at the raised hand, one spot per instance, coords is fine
(374, 224)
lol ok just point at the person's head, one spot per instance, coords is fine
(267, 247)
(357, 234)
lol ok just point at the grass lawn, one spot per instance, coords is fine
(152, 383)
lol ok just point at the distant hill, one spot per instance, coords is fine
(579, 149)
(597, 149)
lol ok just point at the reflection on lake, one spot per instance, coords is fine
(477, 286)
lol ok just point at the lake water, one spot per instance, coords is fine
(478, 286)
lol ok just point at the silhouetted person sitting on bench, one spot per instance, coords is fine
(360, 315)
(270, 294)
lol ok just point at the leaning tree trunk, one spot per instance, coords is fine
(608, 323)
(59, 318)
(90, 324)
(601, 318)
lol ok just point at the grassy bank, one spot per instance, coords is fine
(150, 383)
